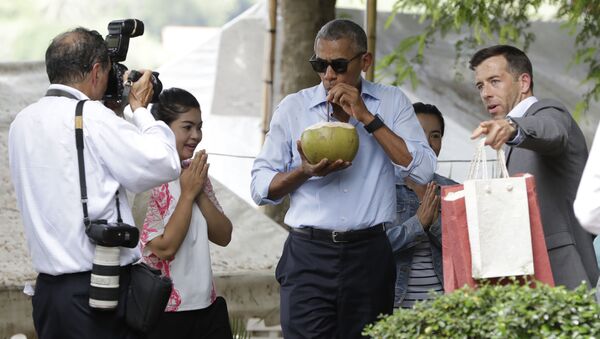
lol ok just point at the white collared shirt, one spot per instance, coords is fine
(522, 107)
(118, 155)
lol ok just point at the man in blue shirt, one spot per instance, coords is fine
(337, 269)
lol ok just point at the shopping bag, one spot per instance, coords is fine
(497, 220)
(456, 246)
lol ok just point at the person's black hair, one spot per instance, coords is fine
(421, 108)
(172, 102)
(343, 28)
(517, 60)
(71, 55)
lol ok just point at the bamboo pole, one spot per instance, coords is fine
(269, 68)
(371, 18)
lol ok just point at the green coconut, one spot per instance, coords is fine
(331, 140)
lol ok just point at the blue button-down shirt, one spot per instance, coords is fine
(359, 196)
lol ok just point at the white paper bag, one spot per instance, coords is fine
(498, 222)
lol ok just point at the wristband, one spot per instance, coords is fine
(374, 125)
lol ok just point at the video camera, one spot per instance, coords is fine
(117, 41)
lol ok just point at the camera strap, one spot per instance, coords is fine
(53, 92)
(82, 184)
(79, 143)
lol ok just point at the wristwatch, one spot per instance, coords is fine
(374, 125)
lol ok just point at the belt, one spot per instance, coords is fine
(337, 236)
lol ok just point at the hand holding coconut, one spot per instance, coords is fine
(317, 163)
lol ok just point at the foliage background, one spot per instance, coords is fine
(27, 26)
(487, 22)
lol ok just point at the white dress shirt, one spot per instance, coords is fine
(359, 196)
(118, 155)
(587, 201)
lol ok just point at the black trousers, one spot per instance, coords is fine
(208, 323)
(332, 290)
(61, 309)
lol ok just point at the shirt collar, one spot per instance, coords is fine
(80, 95)
(320, 95)
(522, 107)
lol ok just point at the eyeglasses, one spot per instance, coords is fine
(338, 65)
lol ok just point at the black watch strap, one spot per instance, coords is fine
(374, 125)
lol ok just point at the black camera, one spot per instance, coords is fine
(114, 234)
(117, 41)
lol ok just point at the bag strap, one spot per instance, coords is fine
(478, 168)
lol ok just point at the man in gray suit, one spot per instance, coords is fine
(541, 138)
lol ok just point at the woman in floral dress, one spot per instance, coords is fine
(182, 217)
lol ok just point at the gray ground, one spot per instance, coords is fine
(19, 83)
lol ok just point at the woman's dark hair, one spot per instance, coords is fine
(172, 102)
(421, 108)
(71, 55)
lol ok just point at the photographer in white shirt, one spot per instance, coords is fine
(118, 156)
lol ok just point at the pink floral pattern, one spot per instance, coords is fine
(160, 205)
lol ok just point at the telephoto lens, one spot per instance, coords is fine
(104, 284)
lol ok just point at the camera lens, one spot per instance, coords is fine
(104, 283)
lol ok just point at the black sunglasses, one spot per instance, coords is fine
(338, 65)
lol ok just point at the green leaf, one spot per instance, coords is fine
(480, 21)
(492, 311)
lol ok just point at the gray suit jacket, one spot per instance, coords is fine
(554, 151)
